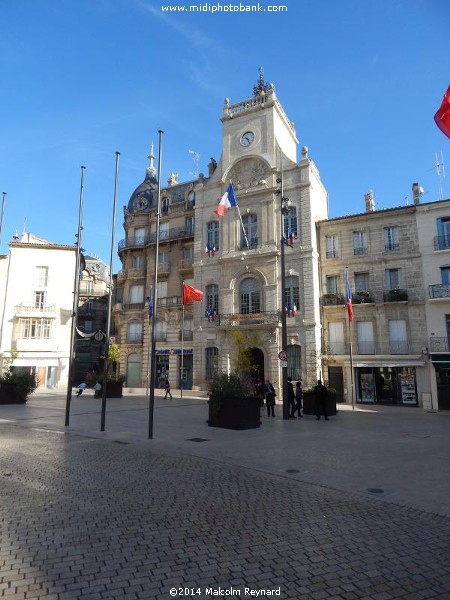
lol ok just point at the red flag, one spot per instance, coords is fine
(191, 294)
(442, 117)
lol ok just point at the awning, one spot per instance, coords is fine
(441, 361)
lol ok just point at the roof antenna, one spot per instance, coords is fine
(440, 170)
(196, 159)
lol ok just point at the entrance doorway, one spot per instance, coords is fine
(257, 359)
(336, 381)
(134, 370)
(443, 388)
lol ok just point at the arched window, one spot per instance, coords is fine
(191, 199)
(290, 222)
(212, 235)
(211, 362)
(134, 332)
(165, 206)
(250, 223)
(294, 368)
(249, 297)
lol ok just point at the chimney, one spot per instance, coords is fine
(173, 179)
(370, 201)
(416, 193)
(212, 166)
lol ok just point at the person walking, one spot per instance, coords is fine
(320, 396)
(167, 388)
(291, 398)
(299, 397)
(81, 388)
(270, 394)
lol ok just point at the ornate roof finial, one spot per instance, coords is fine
(151, 168)
(261, 87)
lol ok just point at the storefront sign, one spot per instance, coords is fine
(408, 388)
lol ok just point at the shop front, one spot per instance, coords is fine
(386, 385)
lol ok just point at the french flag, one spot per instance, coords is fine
(228, 200)
(348, 298)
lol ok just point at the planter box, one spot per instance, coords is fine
(309, 404)
(9, 394)
(235, 413)
(114, 389)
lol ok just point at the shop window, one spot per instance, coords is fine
(294, 368)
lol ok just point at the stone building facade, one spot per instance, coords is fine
(380, 251)
(398, 277)
(433, 224)
(235, 259)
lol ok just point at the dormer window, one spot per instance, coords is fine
(191, 199)
(165, 206)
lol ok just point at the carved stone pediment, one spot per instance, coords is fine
(248, 173)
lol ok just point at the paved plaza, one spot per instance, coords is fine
(356, 507)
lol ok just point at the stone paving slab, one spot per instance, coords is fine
(83, 518)
(400, 453)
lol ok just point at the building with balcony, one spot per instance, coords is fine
(381, 252)
(234, 259)
(37, 307)
(433, 220)
(91, 317)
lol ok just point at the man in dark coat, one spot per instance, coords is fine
(320, 396)
(291, 398)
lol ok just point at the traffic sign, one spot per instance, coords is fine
(282, 355)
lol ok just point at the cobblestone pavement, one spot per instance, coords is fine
(97, 519)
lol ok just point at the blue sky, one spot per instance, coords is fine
(361, 79)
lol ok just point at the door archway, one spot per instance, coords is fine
(257, 359)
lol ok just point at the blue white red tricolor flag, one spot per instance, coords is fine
(228, 200)
(348, 298)
(442, 117)
(150, 303)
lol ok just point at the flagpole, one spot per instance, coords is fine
(152, 357)
(76, 292)
(351, 348)
(1, 218)
(240, 218)
(182, 347)
(150, 316)
(283, 293)
(108, 320)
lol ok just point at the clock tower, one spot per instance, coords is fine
(259, 127)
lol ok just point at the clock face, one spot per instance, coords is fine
(140, 203)
(247, 138)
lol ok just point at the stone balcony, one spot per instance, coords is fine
(24, 310)
(248, 320)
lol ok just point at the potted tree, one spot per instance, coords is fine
(232, 402)
(15, 385)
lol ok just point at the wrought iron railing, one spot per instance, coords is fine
(333, 299)
(395, 295)
(439, 344)
(363, 297)
(439, 290)
(392, 247)
(360, 251)
(442, 242)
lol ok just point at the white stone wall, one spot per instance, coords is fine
(20, 287)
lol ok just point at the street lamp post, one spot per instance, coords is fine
(284, 209)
